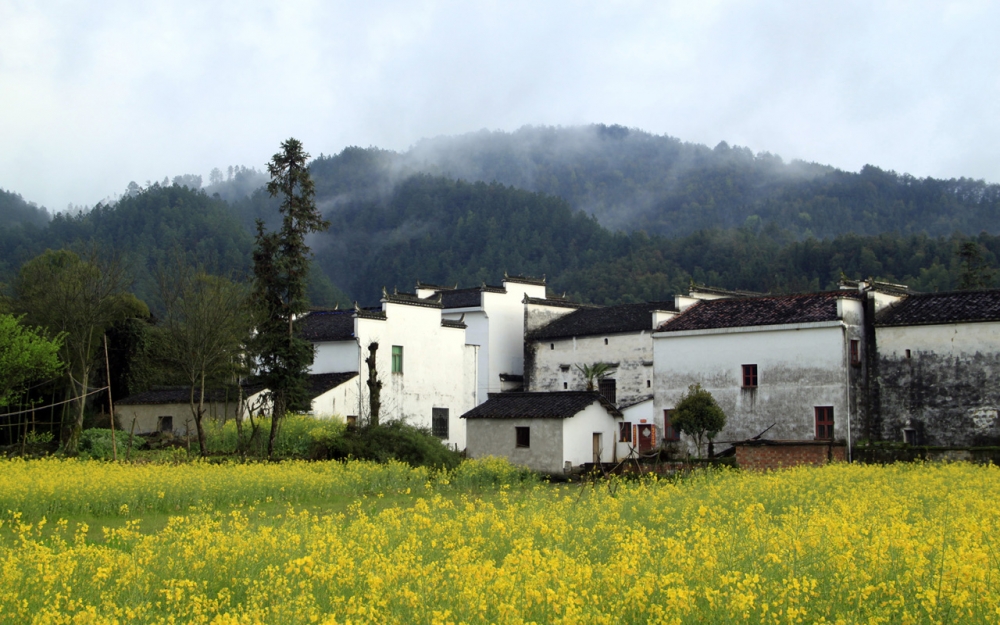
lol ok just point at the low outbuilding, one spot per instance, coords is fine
(550, 432)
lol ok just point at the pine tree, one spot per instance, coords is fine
(281, 277)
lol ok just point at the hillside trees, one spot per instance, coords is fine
(206, 324)
(281, 272)
(78, 298)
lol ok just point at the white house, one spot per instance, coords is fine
(618, 336)
(547, 432)
(791, 363)
(427, 370)
(494, 320)
(937, 369)
(169, 410)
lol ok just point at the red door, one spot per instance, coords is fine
(645, 432)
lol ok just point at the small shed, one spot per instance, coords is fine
(169, 409)
(548, 432)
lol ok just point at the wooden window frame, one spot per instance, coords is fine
(749, 378)
(855, 352)
(824, 423)
(397, 358)
(670, 433)
(625, 432)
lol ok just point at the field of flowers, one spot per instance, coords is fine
(483, 544)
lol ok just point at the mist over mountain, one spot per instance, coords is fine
(606, 213)
(15, 210)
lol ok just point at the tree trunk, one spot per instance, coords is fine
(239, 421)
(374, 386)
(198, 412)
(76, 428)
(278, 409)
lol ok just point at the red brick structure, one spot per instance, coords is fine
(764, 455)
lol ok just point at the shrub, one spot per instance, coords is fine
(393, 441)
(96, 443)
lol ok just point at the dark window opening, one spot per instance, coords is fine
(824, 422)
(855, 352)
(439, 422)
(552, 345)
(165, 424)
(648, 383)
(608, 388)
(625, 432)
(605, 341)
(352, 420)
(907, 353)
(522, 436)
(749, 376)
(670, 433)
(910, 436)
(565, 385)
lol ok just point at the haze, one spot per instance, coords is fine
(94, 95)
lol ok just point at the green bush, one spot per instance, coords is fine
(96, 443)
(393, 441)
(299, 436)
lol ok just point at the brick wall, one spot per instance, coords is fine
(767, 455)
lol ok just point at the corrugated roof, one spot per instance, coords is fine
(759, 311)
(609, 320)
(552, 405)
(938, 308)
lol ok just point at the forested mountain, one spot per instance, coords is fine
(632, 180)
(15, 210)
(683, 212)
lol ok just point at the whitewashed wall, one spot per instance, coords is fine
(799, 367)
(433, 360)
(336, 357)
(338, 402)
(578, 435)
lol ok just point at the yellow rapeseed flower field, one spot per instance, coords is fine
(839, 544)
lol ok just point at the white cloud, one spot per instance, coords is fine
(91, 98)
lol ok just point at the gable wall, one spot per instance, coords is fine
(798, 369)
(630, 350)
(947, 390)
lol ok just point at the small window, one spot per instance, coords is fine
(165, 424)
(670, 433)
(439, 422)
(910, 436)
(397, 358)
(824, 422)
(648, 384)
(907, 353)
(608, 388)
(855, 352)
(565, 385)
(522, 436)
(605, 341)
(352, 421)
(552, 345)
(749, 376)
(625, 432)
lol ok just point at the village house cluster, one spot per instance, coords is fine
(500, 370)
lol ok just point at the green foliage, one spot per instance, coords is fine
(95, 443)
(976, 272)
(697, 415)
(26, 355)
(281, 277)
(394, 441)
(491, 472)
(14, 210)
(594, 373)
(300, 436)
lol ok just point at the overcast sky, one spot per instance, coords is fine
(96, 94)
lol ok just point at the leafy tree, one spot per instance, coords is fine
(207, 322)
(25, 355)
(281, 278)
(976, 272)
(698, 416)
(79, 299)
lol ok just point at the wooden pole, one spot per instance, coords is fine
(111, 404)
(131, 432)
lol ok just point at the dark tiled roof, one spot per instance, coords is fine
(453, 323)
(759, 311)
(554, 405)
(524, 279)
(591, 321)
(561, 302)
(889, 288)
(328, 325)
(704, 288)
(177, 395)
(511, 377)
(410, 299)
(936, 308)
(462, 298)
(320, 383)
